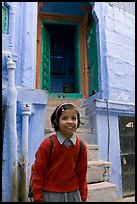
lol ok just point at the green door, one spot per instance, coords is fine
(47, 69)
(77, 60)
(92, 60)
(45, 63)
(5, 18)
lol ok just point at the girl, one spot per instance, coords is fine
(60, 175)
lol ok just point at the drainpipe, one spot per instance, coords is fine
(108, 130)
(12, 130)
(24, 160)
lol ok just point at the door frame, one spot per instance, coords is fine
(78, 71)
(77, 20)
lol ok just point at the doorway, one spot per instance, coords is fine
(60, 70)
(75, 85)
(127, 147)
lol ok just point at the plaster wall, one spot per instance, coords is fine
(120, 54)
(67, 8)
(20, 43)
(116, 53)
(106, 127)
(109, 149)
(37, 101)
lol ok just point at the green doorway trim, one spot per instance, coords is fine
(45, 60)
(64, 95)
(92, 54)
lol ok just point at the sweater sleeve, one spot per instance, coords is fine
(81, 171)
(42, 156)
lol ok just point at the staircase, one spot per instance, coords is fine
(99, 189)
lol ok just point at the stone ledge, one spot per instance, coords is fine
(99, 163)
(102, 192)
(98, 171)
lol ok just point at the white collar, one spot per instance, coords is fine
(61, 138)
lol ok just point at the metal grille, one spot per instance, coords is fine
(125, 6)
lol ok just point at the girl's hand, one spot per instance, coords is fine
(31, 200)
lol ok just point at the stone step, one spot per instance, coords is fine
(48, 132)
(50, 110)
(92, 148)
(83, 117)
(84, 121)
(58, 101)
(84, 125)
(92, 152)
(87, 135)
(51, 107)
(126, 199)
(102, 192)
(98, 171)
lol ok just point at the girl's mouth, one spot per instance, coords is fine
(69, 127)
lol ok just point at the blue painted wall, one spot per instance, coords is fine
(116, 41)
(20, 44)
(116, 51)
(106, 125)
(67, 8)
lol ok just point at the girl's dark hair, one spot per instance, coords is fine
(58, 111)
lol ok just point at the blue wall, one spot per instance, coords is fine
(106, 125)
(67, 8)
(20, 44)
(116, 55)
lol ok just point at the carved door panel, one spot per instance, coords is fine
(45, 69)
(92, 56)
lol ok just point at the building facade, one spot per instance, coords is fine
(68, 50)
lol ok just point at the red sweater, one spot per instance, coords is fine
(58, 174)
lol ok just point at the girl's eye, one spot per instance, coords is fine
(74, 118)
(64, 118)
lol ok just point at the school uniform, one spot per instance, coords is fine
(59, 179)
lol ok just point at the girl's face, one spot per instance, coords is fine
(68, 122)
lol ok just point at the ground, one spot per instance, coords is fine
(127, 199)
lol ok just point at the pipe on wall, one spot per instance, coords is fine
(12, 130)
(108, 148)
(24, 160)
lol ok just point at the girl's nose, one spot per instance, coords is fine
(69, 121)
